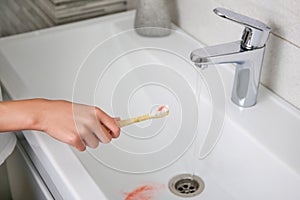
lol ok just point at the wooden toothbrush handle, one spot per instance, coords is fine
(130, 121)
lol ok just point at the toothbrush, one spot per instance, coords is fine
(157, 112)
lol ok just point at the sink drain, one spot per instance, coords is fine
(186, 185)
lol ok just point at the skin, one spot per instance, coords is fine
(75, 124)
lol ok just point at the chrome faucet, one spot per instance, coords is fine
(247, 54)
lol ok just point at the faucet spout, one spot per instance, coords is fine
(218, 54)
(247, 72)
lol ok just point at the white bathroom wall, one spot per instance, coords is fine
(281, 70)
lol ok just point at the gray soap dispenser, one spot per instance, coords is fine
(153, 18)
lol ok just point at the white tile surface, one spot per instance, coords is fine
(282, 16)
(281, 69)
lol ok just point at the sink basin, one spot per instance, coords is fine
(238, 153)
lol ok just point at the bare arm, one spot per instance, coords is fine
(75, 124)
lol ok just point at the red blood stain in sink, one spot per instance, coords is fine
(144, 192)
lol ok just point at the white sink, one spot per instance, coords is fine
(239, 153)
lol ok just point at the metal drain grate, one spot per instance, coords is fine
(186, 185)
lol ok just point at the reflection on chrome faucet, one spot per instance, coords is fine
(247, 54)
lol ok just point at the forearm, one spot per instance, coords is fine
(20, 115)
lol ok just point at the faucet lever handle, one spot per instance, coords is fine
(255, 34)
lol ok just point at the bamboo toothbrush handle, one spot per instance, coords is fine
(127, 122)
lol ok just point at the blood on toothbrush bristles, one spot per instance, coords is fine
(161, 108)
